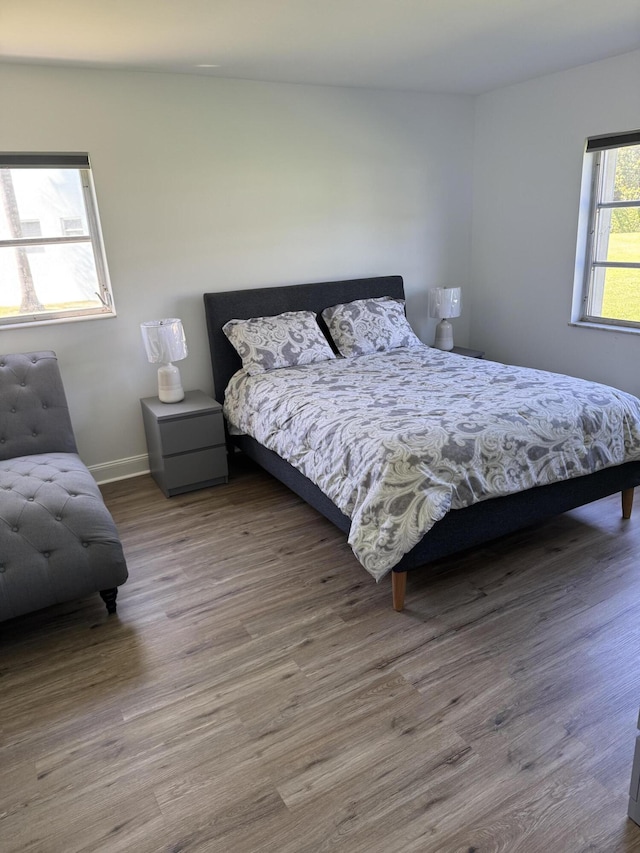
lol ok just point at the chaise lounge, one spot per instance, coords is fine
(58, 541)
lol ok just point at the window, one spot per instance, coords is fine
(31, 228)
(52, 262)
(609, 248)
(71, 226)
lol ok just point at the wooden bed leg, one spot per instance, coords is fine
(398, 589)
(627, 502)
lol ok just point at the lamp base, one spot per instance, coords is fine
(170, 388)
(444, 336)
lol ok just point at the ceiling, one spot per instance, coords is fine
(464, 46)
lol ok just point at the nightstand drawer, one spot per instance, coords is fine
(192, 433)
(196, 467)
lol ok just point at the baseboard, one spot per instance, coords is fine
(120, 469)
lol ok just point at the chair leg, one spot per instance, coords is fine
(109, 597)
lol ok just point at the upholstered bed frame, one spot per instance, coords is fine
(459, 529)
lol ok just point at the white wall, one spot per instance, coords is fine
(207, 184)
(527, 170)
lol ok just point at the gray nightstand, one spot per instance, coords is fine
(186, 442)
(470, 353)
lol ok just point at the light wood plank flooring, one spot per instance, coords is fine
(257, 692)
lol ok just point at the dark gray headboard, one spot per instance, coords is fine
(267, 301)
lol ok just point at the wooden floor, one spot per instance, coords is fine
(257, 692)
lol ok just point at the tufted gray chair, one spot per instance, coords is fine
(58, 541)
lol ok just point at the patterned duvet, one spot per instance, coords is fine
(398, 439)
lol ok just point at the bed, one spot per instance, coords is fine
(459, 529)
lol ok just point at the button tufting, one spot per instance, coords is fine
(34, 360)
(85, 544)
(13, 409)
(23, 384)
(2, 569)
(2, 440)
(45, 554)
(44, 406)
(34, 434)
(15, 529)
(29, 499)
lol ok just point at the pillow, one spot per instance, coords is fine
(286, 340)
(369, 325)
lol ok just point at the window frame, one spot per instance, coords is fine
(80, 163)
(587, 262)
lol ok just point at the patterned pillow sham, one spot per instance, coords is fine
(369, 325)
(285, 340)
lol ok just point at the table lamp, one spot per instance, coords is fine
(444, 303)
(165, 342)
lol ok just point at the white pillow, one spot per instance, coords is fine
(369, 325)
(285, 340)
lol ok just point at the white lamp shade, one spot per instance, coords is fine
(445, 302)
(164, 340)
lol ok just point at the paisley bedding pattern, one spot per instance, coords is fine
(397, 439)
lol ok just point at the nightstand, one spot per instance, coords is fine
(470, 353)
(186, 442)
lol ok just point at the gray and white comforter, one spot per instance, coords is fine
(398, 439)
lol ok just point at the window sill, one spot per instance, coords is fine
(604, 327)
(30, 324)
